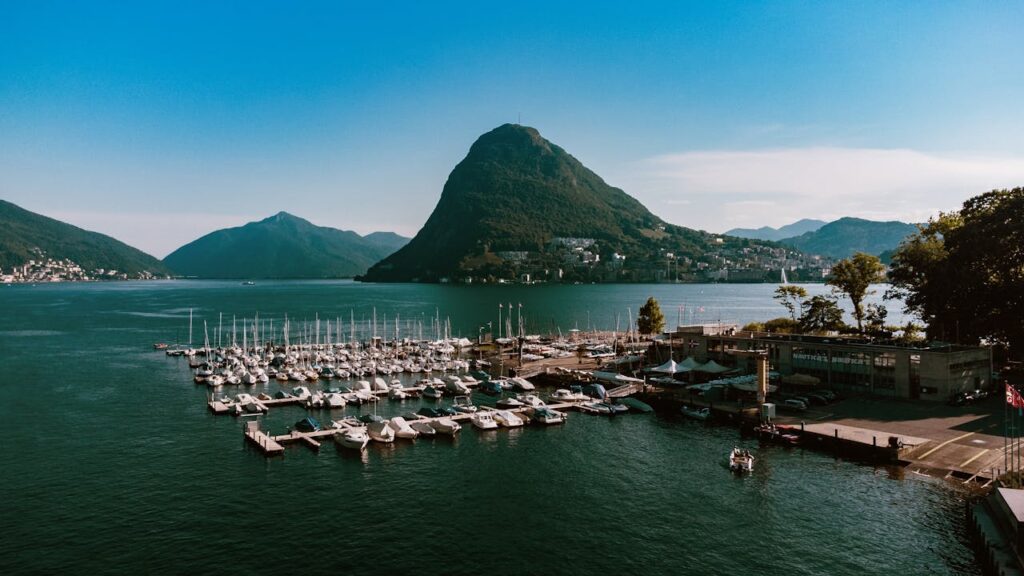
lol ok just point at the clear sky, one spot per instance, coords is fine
(158, 122)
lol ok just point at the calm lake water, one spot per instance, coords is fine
(113, 464)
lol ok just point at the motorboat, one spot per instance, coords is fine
(531, 400)
(547, 416)
(785, 435)
(423, 427)
(483, 420)
(428, 412)
(432, 392)
(509, 402)
(564, 395)
(379, 385)
(741, 460)
(352, 438)
(370, 418)
(380, 432)
(455, 385)
(300, 392)
(598, 408)
(490, 387)
(402, 429)
(696, 413)
(507, 418)
(463, 405)
(523, 385)
(446, 426)
(308, 424)
(334, 400)
(397, 394)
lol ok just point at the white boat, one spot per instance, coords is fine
(380, 432)
(547, 416)
(352, 438)
(432, 392)
(563, 395)
(531, 400)
(446, 426)
(300, 392)
(424, 428)
(334, 400)
(397, 394)
(402, 429)
(523, 385)
(379, 385)
(507, 418)
(695, 413)
(509, 402)
(456, 386)
(483, 420)
(741, 460)
(464, 405)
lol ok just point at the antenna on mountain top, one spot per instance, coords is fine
(519, 118)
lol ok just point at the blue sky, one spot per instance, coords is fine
(158, 122)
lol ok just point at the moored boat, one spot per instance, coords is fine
(696, 413)
(352, 438)
(483, 420)
(741, 460)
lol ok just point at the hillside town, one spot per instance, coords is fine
(45, 269)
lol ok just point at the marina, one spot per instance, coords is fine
(667, 468)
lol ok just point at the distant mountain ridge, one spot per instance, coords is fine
(843, 237)
(775, 234)
(517, 202)
(282, 246)
(21, 231)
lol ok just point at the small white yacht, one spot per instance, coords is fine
(564, 395)
(446, 426)
(352, 438)
(463, 405)
(741, 460)
(402, 429)
(424, 428)
(483, 420)
(508, 418)
(380, 432)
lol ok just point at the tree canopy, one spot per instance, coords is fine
(790, 297)
(963, 273)
(852, 277)
(821, 314)
(650, 320)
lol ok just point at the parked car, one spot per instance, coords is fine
(828, 395)
(960, 399)
(817, 399)
(793, 404)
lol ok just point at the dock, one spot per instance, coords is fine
(262, 440)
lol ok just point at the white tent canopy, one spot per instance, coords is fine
(669, 367)
(713, 367)
(689, 363)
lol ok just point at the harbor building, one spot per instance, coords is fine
(885, 368)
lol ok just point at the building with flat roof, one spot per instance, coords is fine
(858, 365)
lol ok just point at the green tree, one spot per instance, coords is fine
(963, 273)
(650, 320)
(874, 319)
(782, 325)
(821, 314)
(852, 277)
(791, 297)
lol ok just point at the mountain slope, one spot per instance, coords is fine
(516, 192)
(844, 237)
(22, 231)
(282, 246)
(774, 234)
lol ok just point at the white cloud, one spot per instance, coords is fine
(776, 187)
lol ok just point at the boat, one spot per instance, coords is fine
(428, 412)
(507, 418)
(523, 385)
(597, 408)
(455, 385)
(547, 416)
(696, 413)
(741, 460)
(431, 392)
(248, 283)
(352, 438)
(617, 408)
(380, 432)
(463, 405)
(483, 420)
(531, 400)
(636, 405)
(490, 387)
(370, 418)
(334, 400)
(785, 435)
(564, 395)
(308, 424)
(424, 428)
(509, 402)
(446, 426)
(402, 429)
(397, 394)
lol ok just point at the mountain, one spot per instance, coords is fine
(840, 239)
(518, 203)
(282, 246)
(22, 232)
(774, 234)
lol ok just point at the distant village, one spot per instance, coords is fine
(46, 269)
(579, 259)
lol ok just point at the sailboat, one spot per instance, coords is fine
(784, 281)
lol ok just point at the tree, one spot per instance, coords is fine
(963, 273)
(821, 314)
(791, 297)
(852, 277)
(874, 319)
(650, 320)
